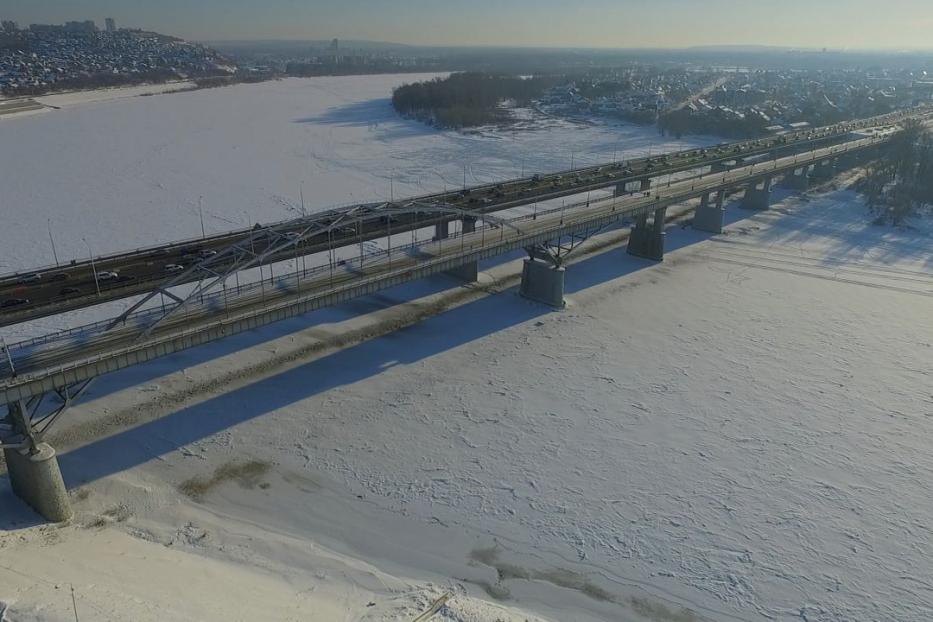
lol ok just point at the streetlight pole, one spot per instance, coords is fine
(201, 216)
(52, 240)
(93, 267)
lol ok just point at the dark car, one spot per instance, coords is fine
(69, 291)
(59, 276)
(13, 302)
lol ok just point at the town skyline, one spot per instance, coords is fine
(590, 24)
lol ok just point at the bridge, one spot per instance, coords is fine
(41, 378)
(51, 290)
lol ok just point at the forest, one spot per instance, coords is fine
(900, 184)
(466, 99)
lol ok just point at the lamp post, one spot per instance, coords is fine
(93, 267)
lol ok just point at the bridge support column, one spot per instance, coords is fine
(37, 480)
(798, 179)
(848, 160)
(441, 230)
(33, 468)
(824, 171)
(708, 217)
(644, 185)
(543, 282)
(647, 239)
(758, 198)
(468, 272)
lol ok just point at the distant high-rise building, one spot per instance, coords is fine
(9, 26)
(111, 25)
(335, 50)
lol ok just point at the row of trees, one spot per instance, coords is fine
(685, 121)
(900, 184)
(466, 99)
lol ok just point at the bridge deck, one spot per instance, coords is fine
(61, 360)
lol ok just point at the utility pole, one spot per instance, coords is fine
(201, 216)
(52, 240)
(93, 267)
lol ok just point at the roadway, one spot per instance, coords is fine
(54, 290)
(58, 360)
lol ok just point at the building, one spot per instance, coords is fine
(111, 25)
(8, 26)
(85, 26)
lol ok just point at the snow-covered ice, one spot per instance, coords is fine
(738, 433)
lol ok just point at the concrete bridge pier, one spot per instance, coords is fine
(37, 480)
(543, 282)
(647, 239)
(468, 272)
(824, 170)
(708, 217)
(798, 179)
(849, 160)
(644, 185)
(441, 231)
(33, 470)
(758, 195)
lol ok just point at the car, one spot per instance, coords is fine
(59, 276)
(536, 177)
(69, 291)
(292, 235)
(125, 278)
(205, 253)
(14, 302)
(173, 268)
(107, 275)
(29, 279)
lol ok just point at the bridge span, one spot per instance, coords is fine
(41, 378)
(52, 290)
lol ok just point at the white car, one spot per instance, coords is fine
(107, 276)
(173, 268)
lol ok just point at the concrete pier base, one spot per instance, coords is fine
(708, 217)
(468, 272)
(797, 180)
(824, 171)
(36, 479)
(647, 240)
(543, 282)
(757, 198)
(442, 231)
(848, 161)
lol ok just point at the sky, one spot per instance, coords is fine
(835, 24)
